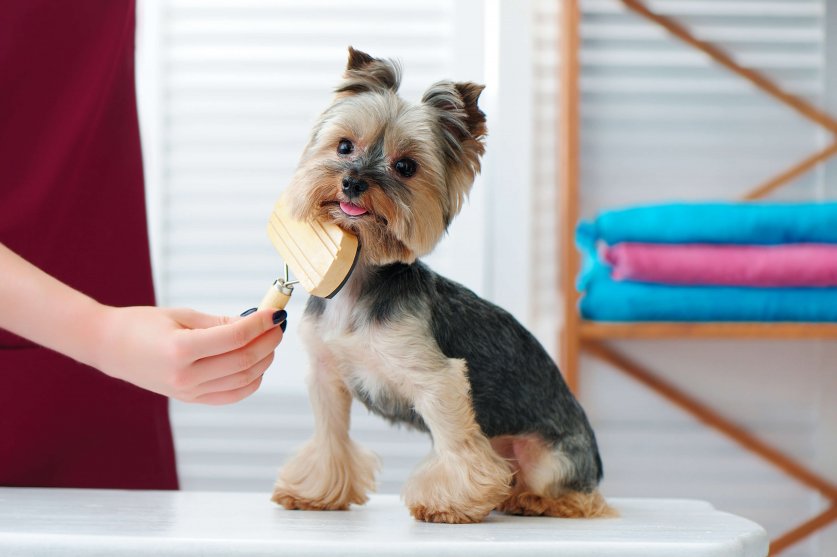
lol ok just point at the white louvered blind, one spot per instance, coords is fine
(229, 92)
(661, 121)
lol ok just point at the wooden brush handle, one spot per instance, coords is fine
(277, 295)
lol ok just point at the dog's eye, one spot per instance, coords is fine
(406, 167)
(345, 147)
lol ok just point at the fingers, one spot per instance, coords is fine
(237, 380)
(202, 343)
(228, 397)
(226, 356)
(233, 385)
(224, 366)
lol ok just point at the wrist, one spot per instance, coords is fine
(88, 331)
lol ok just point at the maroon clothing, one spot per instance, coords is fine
(72, 203)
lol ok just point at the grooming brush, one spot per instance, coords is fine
(321, 256)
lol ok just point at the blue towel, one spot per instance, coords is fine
(604, 299)
(607, 300)
(728, 223)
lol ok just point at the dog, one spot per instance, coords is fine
(413, 346)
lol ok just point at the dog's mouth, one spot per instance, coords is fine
(351, 209)
(344, 209)
(345, 214)
(350, 216)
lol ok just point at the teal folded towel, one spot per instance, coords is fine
(607, 300)
(604, 299)
(709, 223)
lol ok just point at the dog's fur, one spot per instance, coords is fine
(415, 347)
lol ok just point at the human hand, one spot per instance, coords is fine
(185, 354)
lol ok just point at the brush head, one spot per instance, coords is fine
(321, 255)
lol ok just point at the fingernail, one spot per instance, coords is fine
(279, 316)
(284, 325)
(248, 312)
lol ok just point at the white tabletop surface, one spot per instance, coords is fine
(53, 522)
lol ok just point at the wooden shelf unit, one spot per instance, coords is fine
(593, 338)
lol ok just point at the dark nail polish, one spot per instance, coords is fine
(248, 312)
(284, 325)
(279, 316)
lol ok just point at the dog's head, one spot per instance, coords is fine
(393, 173)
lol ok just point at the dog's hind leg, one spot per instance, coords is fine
(547, 481)
(330, 472)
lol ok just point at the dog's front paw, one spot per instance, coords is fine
(293, 501)
(326, 478)
(458, 488)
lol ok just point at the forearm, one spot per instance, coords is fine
(46, 311)
(180, 353)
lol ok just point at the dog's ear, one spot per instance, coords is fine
(367, 74)
(460, 115)
(462, 123)
(470, 93)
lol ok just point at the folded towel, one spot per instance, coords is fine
(787, 265)
(607, 300)
(711, 223)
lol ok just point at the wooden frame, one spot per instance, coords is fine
(578, 335)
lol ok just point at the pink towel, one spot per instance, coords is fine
(786, 265)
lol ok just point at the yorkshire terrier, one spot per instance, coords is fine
(413, 346)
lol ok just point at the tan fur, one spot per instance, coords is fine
(572, 504)
(463, 479)
(457, 487)
(538, 481)
(323, 477)
(331, 471)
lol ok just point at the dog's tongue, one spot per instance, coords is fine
(352, 209)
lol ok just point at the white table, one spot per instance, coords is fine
(53, 522)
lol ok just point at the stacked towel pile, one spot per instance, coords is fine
(711, 262)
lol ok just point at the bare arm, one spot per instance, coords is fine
(179, 353)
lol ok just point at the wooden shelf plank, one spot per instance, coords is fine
(595, 330)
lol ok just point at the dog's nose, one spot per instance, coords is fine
(354, 186)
